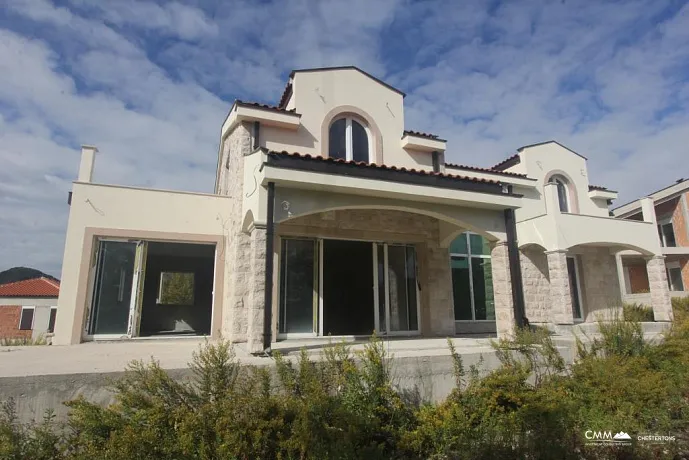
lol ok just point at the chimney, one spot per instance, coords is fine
(88, 155)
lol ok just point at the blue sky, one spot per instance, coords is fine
(150, 83)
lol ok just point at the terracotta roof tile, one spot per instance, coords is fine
(426, 135)
(263, 106)
(506, 163)
(37, 287)
(285, 95)
(486, 170)
(598, 187)
(363, 164)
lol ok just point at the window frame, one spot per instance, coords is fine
(674, 266)
(52, 309)
(469, 255)
(661, 234)
(349, 139)
(21, 316)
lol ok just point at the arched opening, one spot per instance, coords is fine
(349, 138)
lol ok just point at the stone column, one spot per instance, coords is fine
(441, 313)
(256, 295)
(660, 292)
(560, 294)
(505, 321)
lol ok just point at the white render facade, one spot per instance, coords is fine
(328, 218)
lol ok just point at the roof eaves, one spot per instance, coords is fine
(488, 171)
(346, 67)
(550, 142)
(507, 163)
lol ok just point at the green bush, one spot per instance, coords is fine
(345, 406)
(637, 312)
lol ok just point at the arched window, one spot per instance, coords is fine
(562, 192)
(349, 140)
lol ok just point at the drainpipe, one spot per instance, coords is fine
(268, 303)
(257, 134)
(436, 162)
(515, 267)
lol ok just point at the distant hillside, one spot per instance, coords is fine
(22, 273)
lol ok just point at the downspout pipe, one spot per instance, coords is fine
(268, 300)
(515, 268)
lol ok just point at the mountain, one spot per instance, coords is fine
(22, 273)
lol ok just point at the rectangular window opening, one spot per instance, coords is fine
(26, 319)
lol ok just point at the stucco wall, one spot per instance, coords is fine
(542, 161)
(534, 263)
(318, 96)
(128, 212)
(437, 312)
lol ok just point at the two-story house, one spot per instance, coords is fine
(330, 218)
(669, 210)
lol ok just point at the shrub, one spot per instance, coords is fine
(637, 312)
(346, 406)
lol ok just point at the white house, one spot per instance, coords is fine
(329, 218)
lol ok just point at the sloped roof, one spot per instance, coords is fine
(37, 287)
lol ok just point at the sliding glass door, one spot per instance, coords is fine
(396, 289)
(298, 287)
(331, 287)
(113, 288)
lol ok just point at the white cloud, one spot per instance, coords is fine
(150, 83)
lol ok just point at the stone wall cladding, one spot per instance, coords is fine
(437, 310)
(660, 292)
(9, 322)
(238, 264)
(256, 307)
(600, 283)
(560, 295)
(502, 290)
(534, 263)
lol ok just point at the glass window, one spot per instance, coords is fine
(298, 286)
(338, 139)
(459, 245)
(667, 234)
(482, 281)
(461, 288)
(348, 140)
(472, 278)
(479, 245)
(176, 288)
(674, 278)
(574, 287)
(381, 287)
(562, 193)
(53, 316)
(359, 142)
(26, 319)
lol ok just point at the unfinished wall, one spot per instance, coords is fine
(9, 322)
(638, 277)
(534, 263)
(600, 284)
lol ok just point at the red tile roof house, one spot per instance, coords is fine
(28, 308)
